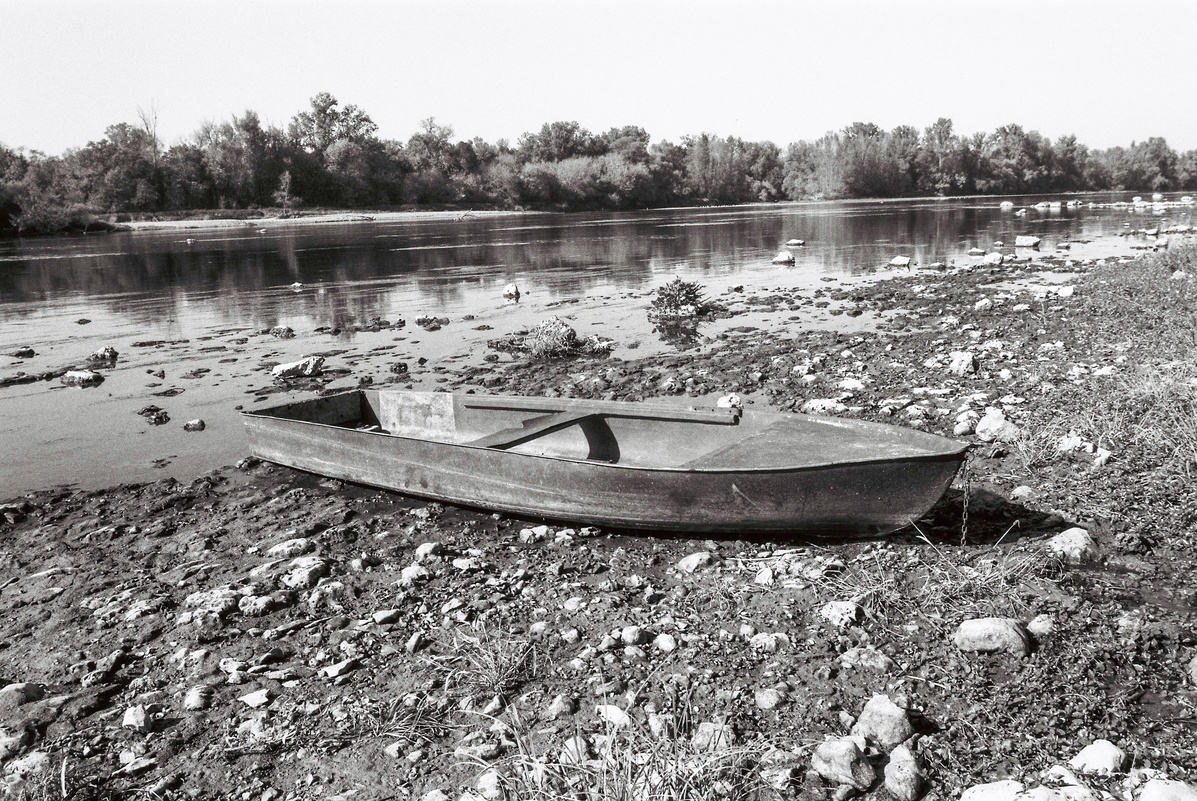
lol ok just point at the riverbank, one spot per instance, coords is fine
(261, 633)
(331, 217)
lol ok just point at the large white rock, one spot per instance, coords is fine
(902, 774)
(1004, 790)
(900, 261)
(1101, 757)
(304, 368)
(994, 427)
(841, 761)
(993, 259)
(1075, 546)
(866, 657)
(962, 363)
(511, 292)
(82, 378)
(823, 406)
(1026, 241)
(1167, 790)
(840, 614)
(695, 561)
(713, 737)
(992, 634)
(784, 257)
(883, 722)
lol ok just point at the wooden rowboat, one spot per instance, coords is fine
(646, 465)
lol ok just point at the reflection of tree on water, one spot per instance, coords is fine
(682, 335)
(352, 273)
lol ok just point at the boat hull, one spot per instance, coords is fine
(863, 498)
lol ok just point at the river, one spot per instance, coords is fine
(208, 294)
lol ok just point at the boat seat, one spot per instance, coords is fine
(531, 429)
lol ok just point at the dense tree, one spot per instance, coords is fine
(331, 156)
(316, 130)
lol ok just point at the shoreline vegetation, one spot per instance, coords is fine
(331, 157)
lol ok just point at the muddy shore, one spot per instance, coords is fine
(263, 634)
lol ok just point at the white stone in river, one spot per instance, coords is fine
(1075, 546)
(304, 368)
(511, 292)
(784, 257)
(900, 261)
(1101, 757)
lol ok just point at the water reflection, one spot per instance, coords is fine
(238, 277)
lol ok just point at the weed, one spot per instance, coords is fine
(487, 664)
(629, 764)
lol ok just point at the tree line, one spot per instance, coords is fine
(331, 156)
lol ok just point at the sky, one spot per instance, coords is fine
(1110, 73)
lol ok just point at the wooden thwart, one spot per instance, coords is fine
(531, 429)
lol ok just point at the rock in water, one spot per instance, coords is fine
(900, 261)
(304, 368)
(991, 635)
(511, 292)
(1026, 241)
(82, 378)
(194, 425)
(784, 257)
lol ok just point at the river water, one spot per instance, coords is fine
(207, 292)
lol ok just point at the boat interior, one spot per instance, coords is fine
(651, 434)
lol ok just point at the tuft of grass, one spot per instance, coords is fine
(485, 663)
(630, 764)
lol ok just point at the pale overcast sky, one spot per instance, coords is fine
(783, 71)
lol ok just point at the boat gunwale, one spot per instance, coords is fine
(958, 453)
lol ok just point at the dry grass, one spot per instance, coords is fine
(486, 663)
(629, 764)
(932, 583)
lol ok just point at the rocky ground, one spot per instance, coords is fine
(264, 634)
